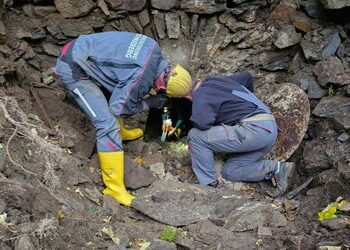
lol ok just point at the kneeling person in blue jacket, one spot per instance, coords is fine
(127, 65)
(228, 118)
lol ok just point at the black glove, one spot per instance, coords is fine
(155, 102)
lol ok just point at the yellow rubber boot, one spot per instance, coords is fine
(129, 134)
(112, 166)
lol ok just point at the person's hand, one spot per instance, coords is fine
(155, 101)
(172, 131)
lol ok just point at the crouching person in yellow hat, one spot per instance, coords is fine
(127, 65)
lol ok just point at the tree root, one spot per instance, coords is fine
(53, 155)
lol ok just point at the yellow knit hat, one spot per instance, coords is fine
(179, 83)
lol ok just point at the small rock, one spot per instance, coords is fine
(169, 177)
(159, 21)
(149, 159)
(74, 8)
(162, 245)
(330, 248)
(135, 22)
(103, 6)
(202, 7)
(335, 107)
(136, 146)
(151, 148)
(229, 21)
(158, 169)
(264, 231)
(111, 207)
(282, 14)
(331, 70)
(343, 137)
(21, 34)
(50, 49)
(178, 165)
(334, 224)
(344, 170)
(43, 11)
(28, 9)
(172, 21)
(321, 43)
(24, 243)
(135, 176)
(144, 17)
(66, 141)
(127, 5)
(252, 215)
(345, 208)
(314, 8)
(287, 37)
(302, 25)
(38, 34)
(93, 194)
(165, 5)
(238, 186)
(47, 77)
(2, 81)
(335, 4)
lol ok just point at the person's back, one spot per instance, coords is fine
(115, 59)
(228, 118)
(215, 99)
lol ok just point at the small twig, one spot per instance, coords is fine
(50, 192)
(300, 188)
(19, 134)
(8, 117)
(41, 106)
(9, 155)
(38, 85)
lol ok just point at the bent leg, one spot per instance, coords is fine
(93, 102)
(202, 156)
(249, 166)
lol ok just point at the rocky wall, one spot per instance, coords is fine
(303, 42)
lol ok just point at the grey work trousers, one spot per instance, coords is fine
(245, 143)
(93, 102)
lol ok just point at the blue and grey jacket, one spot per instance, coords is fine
(225, 100)
(124, 63)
